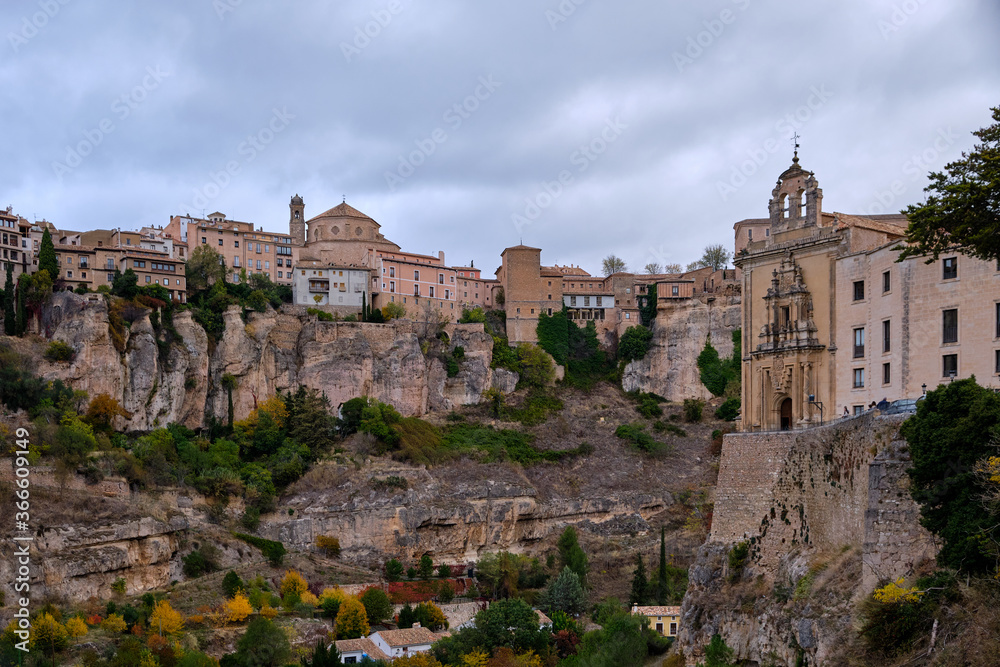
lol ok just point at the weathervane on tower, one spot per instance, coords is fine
(795, 141)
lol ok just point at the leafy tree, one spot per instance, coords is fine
(720, 375)
(47, 255)
(426, 567)
(634, 343)
(613, 264)
(37, 290)
(263, 645)
(352, 619)
(323, 656)
(474, 315)
(672, 268)
(393, 311)
(377, 605)
(536, 366)
(203, 269)
(553, 335)
(166, 620)
(715, 256)
(229, 383)
(661, 570)
(231, 583)
(718, 654)
(293, 585)
(76, 627)
(960, 212)
(114, 624)
(49, 633)
(430, 616)
(565, 593)
(951, 431)
(393, 570)
(238, 608)
(571, 554)
(125, 285)
(653, 268)
(640, 584)
(9, 299)
(21, 318)
(103, 410)
(647, 306)
(619, 642)
(511, 623)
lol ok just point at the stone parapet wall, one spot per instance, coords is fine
(826, 487)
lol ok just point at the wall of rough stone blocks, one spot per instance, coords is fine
(825, 488)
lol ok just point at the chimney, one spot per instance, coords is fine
(441, 256)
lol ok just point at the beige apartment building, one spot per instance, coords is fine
(914, 324)
(15, 239)
(242, 246)
(832, 323)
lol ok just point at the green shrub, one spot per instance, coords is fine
(537, 406)
(471, 316)
(451, 367)
(717, 374)
(231, 583)
(390, 482)
(649, 405)
(634, 343)
(273, 551)
(673, 429)
(321, 315)
(636, 435)
(536, 366)
(738, 557)
(728, 410)
(693, 408)
(59, 351)
(504, 356)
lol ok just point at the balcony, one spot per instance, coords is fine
(322, 287)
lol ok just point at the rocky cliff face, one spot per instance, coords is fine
(826, 514)
(679, 334)
(272, 351)
(453, 513)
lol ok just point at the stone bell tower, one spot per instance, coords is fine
(297, 220)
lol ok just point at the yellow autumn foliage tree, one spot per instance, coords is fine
(165, 620)
(352, 619)
(268, 612)
(273, 406)
(417, 660)
(309, 599)
(894, 593)
(238, 608)
(478, 658)
(49, 634)
(293, 585)
(114, 624)
(76, 627)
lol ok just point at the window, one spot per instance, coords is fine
(572, 301)
(659, 628)
(111, 277)
(147, 279)
(749, 235)
(859, 343)
(673, 629)
(586, 300)
(69, 274)
(949, 365)
(431, 292)
(236, 244)
(859, 290)
(267, 248)
(392, 271)
(998, 321)
(69, 260)
(950, 326)
(258, 265)
(675, 290)
(416, 290)
(447, 294)
(441, 279)
(886, 373)
(886, 282)
(599, 299)
(767, 233)
(997, 367)
(859, 409)
(886, 336)
(416, 274)
(786, 315)
(949, 268)
(859, 378)
(220, 241)
(267, 264)
(628, 316)
(392, 285)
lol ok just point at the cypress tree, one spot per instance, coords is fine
(661, 575)
(9, 318)
(22, 321)
(640, 585)
(47, 256)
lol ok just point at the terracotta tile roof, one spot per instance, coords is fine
(364, 645)
(894, 225)
(407, 637)
(657, 611)
(343, 210)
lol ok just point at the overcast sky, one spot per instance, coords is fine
(582, 127)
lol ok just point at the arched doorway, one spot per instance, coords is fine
(786, 415)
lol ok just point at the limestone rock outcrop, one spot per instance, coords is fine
(679, 333)
(161, 383)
